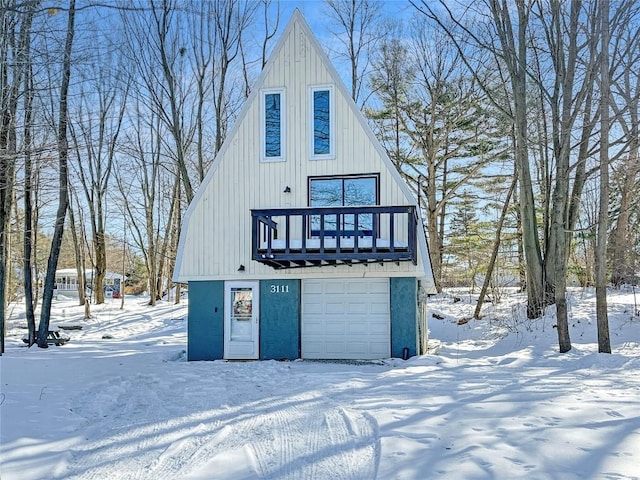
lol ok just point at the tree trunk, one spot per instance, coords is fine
(9, 94)
(63, 200)
(28, 217)
(621, 246)
(571, 88)
(77, 255)
(100, 267)
(518, 76)
(124, 262)
(174, 245)
(494, 253)
(604, 342)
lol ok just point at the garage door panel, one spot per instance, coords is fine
(357, 328)
(379, 348)
(356, 308)
(334, 349)
(332, 288)
(345, 318)
(313, 349)
(334, 308)
(379, 329)
(312, 328)
(334, 327)
(358, 348)
(357, 287)
(312, 287)
(380, 288)
(379, 308)
(313, 308)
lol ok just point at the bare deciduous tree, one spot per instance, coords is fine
(357, 27)
(625, 179)
(506, 38)
(29, 225)
(604, 343)
(15, 30)
(63, 198)
(437, 128)
(95, 131)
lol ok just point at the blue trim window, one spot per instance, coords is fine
(272, 125)
(322, 122)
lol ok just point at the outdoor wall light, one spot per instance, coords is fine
(287, 189)
(241, 268)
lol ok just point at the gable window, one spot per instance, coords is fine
(322, 122)
(272, 125)
(346, 191)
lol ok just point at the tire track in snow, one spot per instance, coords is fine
(130, 436)
(275, 450)
(187, 457)
(305, 436)
(317, 440)
(304, 439)
(111, 438)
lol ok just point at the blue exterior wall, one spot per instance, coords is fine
(279, 319)
(280, 310)
(205, 325)
(404, 314)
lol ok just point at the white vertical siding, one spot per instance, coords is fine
(216, 237)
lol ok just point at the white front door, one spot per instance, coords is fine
(241, 320)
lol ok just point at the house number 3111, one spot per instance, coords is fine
(279, 288)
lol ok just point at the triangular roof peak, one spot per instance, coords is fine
(296, 46)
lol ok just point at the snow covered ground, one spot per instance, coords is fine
(494, 400)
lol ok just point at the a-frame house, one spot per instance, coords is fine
(303, 241)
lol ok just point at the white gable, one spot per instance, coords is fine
(216, 233)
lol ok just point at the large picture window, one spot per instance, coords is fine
(348, 191)
(273, 125)
(321, 121)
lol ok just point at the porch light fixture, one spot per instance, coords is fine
(287, 189)
(241, 268)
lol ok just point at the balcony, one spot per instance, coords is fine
(317, 236)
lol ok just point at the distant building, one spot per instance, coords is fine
(67, 281)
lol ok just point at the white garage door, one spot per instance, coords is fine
(346, 318)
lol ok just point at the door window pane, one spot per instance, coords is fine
(241, 314)
(241, 302)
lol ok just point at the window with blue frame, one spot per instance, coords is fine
(272, 128)
(321, 122)
(348, 191)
